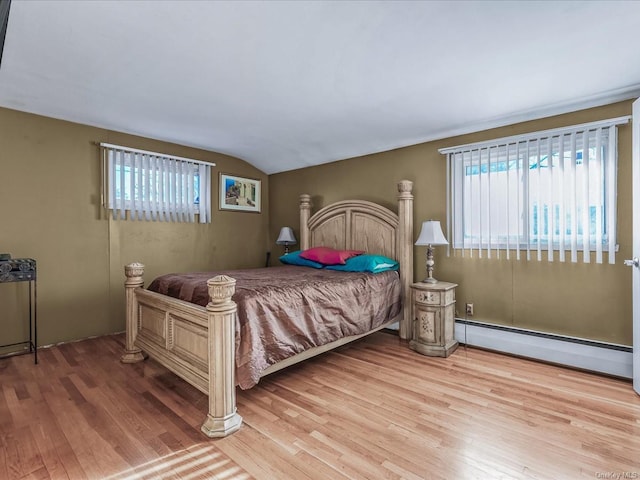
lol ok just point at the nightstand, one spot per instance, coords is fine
(433, 307)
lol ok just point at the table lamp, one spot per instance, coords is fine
(431, 235)
(286, 238)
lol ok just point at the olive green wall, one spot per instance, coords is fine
(582, 300)
(50, 210)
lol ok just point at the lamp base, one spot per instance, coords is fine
(430, 264)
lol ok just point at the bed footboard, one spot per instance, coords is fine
(196, 343)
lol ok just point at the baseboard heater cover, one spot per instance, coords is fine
(611, 359)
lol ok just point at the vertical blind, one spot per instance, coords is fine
(154, 186)
(549, 194)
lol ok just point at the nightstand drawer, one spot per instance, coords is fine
(434, 297)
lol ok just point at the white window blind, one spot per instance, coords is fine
(549, 194)
(154, 186)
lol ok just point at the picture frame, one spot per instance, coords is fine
(240, 194)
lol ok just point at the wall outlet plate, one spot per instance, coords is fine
(469, 309)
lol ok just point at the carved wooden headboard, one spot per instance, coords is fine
(362, 225)
(355, 225)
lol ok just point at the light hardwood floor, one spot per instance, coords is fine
(371, 410)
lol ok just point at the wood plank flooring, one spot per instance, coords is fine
(370, 410)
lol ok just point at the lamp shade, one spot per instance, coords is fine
(431, 234)
(286, 237)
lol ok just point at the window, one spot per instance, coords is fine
(541, 193)
(153, 186)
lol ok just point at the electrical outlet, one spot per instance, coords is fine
(469, 309)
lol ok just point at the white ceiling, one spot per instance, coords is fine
(285, 85)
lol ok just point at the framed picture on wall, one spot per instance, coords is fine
(240, 194)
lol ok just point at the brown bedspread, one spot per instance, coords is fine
(286, 310)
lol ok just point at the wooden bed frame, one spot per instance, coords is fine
(198, 343)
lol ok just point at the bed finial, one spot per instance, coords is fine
(134, 273)
(221, 289)
(405, 251)
(405, 187)
(305, 199)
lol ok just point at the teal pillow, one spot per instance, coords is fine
(294, 258)
(367, 263)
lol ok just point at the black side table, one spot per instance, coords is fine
(24, 270)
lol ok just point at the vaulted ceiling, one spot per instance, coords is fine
(285, 85)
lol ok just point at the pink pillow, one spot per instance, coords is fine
(329, 256)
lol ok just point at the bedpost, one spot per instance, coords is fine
(222, 418)
(134, 273)
(405, 252)
(305, 213)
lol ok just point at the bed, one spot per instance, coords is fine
(198, 343)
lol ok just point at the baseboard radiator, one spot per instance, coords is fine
(611, 359)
